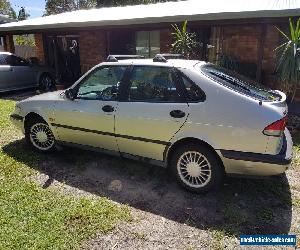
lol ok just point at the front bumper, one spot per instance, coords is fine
(18, 121)
(259, 164)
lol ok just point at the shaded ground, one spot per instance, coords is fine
(165, 216)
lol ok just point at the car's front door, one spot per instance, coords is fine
(24, 74)
(152, 113)
(89, 118)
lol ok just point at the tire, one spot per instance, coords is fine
(39, 136)
(185, 164)
(46, 83)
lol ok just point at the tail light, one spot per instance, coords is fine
(276, 128)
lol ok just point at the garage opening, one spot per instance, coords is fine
(62, 54)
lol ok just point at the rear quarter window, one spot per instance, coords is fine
(3, 60)
(239, 83)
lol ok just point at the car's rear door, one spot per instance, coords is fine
(25, 75)
(89, 118)
(151, 113)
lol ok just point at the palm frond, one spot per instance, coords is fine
(292, 30)
(288, 65)
(184, 42)
(282, 33)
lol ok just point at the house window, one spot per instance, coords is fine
(148, 43)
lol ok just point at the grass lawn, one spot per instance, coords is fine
(37, 218)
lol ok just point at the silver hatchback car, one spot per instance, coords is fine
(196, 118)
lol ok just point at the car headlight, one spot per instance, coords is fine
(17, 109)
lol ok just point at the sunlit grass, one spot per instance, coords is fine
(35, 218)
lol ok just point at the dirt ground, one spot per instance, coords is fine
(164, 215)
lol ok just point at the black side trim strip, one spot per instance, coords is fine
(255, 157)
(112, 134)
(143, 139)
(82, 129)
(17, 117)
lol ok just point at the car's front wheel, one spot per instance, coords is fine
(39, 135)
(197, 168)
(46, 83)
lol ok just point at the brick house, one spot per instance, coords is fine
(74, 42)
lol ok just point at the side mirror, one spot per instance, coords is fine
(69, 93)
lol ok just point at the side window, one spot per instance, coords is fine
(16, 61)
(194, 93)
(101, 84)
(152, 84)
(3, 60)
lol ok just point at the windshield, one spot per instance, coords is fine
(239, 83)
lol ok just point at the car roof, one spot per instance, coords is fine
(179, 63)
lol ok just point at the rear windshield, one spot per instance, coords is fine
(239, 83)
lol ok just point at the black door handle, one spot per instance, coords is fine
(108, 108)
(177, 114)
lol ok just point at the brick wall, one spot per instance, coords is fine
(269, 59)
(241, 42)
(39, 47)
(9, 44)
(92, 48)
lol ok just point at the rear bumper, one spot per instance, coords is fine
(259, 164)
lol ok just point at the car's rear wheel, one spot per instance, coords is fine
(39, 135)
(197, 168)
(46, 83)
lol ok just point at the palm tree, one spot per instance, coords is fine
(288, 67)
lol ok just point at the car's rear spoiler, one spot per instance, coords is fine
(281, 94)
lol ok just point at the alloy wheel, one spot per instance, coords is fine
(194, 169)
(41, 136)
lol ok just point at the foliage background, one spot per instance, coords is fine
(6, 9)
(60, 6)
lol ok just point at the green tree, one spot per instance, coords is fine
(6, 9)
(27, 40)
(109, 3)
(86, 4)
(60, 6)
(288, 66)
(23, 15)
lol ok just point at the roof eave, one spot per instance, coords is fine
(156, 20)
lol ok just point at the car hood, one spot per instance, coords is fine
(50, 96)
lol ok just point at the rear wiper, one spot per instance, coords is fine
(239, 84)
(231, 80)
